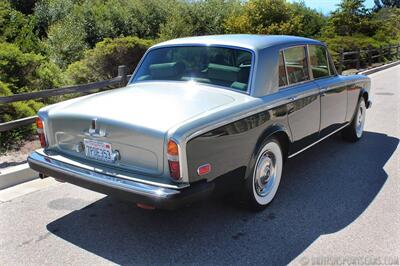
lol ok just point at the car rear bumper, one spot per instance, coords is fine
(157, 195)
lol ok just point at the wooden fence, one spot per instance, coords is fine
(366, 58)
(118, 81)
(350, 59)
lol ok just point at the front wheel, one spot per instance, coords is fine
(354, 131)
(262, 186)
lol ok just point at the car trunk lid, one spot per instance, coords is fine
(133, 120)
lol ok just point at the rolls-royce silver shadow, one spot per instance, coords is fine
(201, 115)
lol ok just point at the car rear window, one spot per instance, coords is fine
(220, 66)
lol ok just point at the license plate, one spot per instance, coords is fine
(98, 150)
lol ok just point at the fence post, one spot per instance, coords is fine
(341, 61)
(122, 73)
(358, 58)
(381, 53)
(369, 55)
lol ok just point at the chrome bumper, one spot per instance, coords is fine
(151, 194)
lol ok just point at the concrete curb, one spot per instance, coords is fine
(380, 68)
(15, 175)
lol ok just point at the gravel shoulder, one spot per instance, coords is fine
(18, 156)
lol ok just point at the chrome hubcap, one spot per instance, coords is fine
(265, 174)
(360, 119)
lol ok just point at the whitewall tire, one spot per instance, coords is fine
(354, 131)
(263, 184)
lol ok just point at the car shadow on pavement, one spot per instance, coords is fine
(323, 190)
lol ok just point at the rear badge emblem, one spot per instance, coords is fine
(93, 125)
(94, 131)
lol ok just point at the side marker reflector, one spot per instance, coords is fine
(145, 206)
(204, 169)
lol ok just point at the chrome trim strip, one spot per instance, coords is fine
(321, 139)
(330, 62)
(310, 73)
(284, 65)
(105, 180)
(327, 61)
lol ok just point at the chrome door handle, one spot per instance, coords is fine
(323, 91)
(291, 104)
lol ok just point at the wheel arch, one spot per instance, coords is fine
(365, 94)
(280, 133)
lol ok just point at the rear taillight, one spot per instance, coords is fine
(40, 132)
(173, 160)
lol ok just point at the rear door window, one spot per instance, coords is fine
(296, 64)
(318, 61)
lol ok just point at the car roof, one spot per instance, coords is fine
(249, 41)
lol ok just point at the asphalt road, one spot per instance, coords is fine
(338, 202)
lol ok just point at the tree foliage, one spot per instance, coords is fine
(275, 17)
(24, 6)
(353, 26)
(349, 17)
(17, 28)
(198, 18)
(387, 3)
(66, 42)
(101, 62)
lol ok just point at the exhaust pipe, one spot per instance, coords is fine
(42, 176)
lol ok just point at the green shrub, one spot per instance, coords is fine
(118, 18)
(102, 62)
(8, 112)
(17, 68)
(24, 72)
(100, 19)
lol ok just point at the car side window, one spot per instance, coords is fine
(318, 61)
(282, 71)
(296, 64)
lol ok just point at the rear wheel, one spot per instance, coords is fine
(262, 186)
(354, 131)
